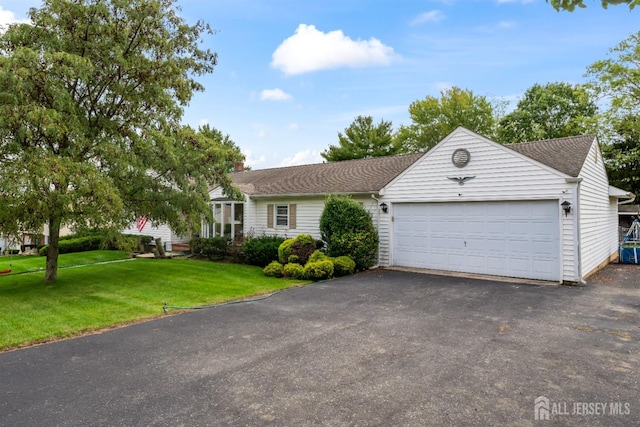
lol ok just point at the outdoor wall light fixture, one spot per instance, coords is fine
(384, 207)
(566, 207)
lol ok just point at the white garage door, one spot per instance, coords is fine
(514, 239)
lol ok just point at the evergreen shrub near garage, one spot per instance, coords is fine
(347, 228)
(343, 266)
(293, 270)
(261, 250)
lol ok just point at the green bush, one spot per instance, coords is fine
(294, 270)
(343, 266)
(274, 269)
(317, 255)
(348, 229)
(303, 246)
(293, 259)
(319, 270)
(210, 247)
(261, 250)
(284, 250)
(11, 251)
(78, 244)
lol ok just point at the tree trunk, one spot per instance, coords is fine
(51, 274)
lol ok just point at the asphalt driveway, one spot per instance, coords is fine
(380, 348)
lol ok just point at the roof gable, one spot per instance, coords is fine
(349, 176)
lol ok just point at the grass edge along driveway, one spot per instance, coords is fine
(103, 295)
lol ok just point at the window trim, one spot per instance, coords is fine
(276, 215)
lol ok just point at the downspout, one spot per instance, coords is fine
(377, 227)
(576, 230)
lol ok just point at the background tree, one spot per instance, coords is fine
(435, 118)
(363, 139)
(91, 95)
(554, 110)
(616, 80)
(570, 5)
(225, 142)
(622, 154)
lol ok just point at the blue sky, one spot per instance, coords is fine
(294, 73)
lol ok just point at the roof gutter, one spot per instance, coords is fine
(292, 195)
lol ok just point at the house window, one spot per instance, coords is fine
(282, 215)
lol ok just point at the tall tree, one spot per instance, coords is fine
(553, 110)
(570, 5)
(435, 118)
(225, 142)
(363, 139)
(91, 97)
(617, 80)
(622, 154)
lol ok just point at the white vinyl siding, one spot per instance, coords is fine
(163, 231)
(598, 213)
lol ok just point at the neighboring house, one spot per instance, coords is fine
(626, 215)
(168, 236)
(540, 210)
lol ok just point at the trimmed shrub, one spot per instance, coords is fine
(294, 270)
(303, 246)
(261, 250)
(343, 266)
(293, 259)
(317, 255)
(210, 247)
(348, 229)
(284, 250)
(319, 270)
(274, 269)
(78, 244)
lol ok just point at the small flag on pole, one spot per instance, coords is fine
(142, 221)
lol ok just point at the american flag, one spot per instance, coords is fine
(142, 221)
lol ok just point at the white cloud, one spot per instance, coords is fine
(431, 16)
(311, 50)
(506, 24)
(251, 161)
(302, 158)
(292, 126)
(274, 95)
(8, 17)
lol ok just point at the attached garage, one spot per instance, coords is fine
(536, 210)
(516, 239)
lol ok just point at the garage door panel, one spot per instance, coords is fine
(518, 239)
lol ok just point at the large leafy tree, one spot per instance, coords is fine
(617, 80)
(622, 154)
(91, 95)
(435, 118)
(570, 5)
(225, 142)
(363, 139)
(553, 110)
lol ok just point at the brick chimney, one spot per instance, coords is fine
(239, 167)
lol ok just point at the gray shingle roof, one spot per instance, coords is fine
(349, 176)
(564, 154)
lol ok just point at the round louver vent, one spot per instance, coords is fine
(461, 157)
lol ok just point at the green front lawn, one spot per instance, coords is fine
(28, 263)
(102, 295)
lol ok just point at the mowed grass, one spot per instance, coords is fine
(98, 296)
(27, 263)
